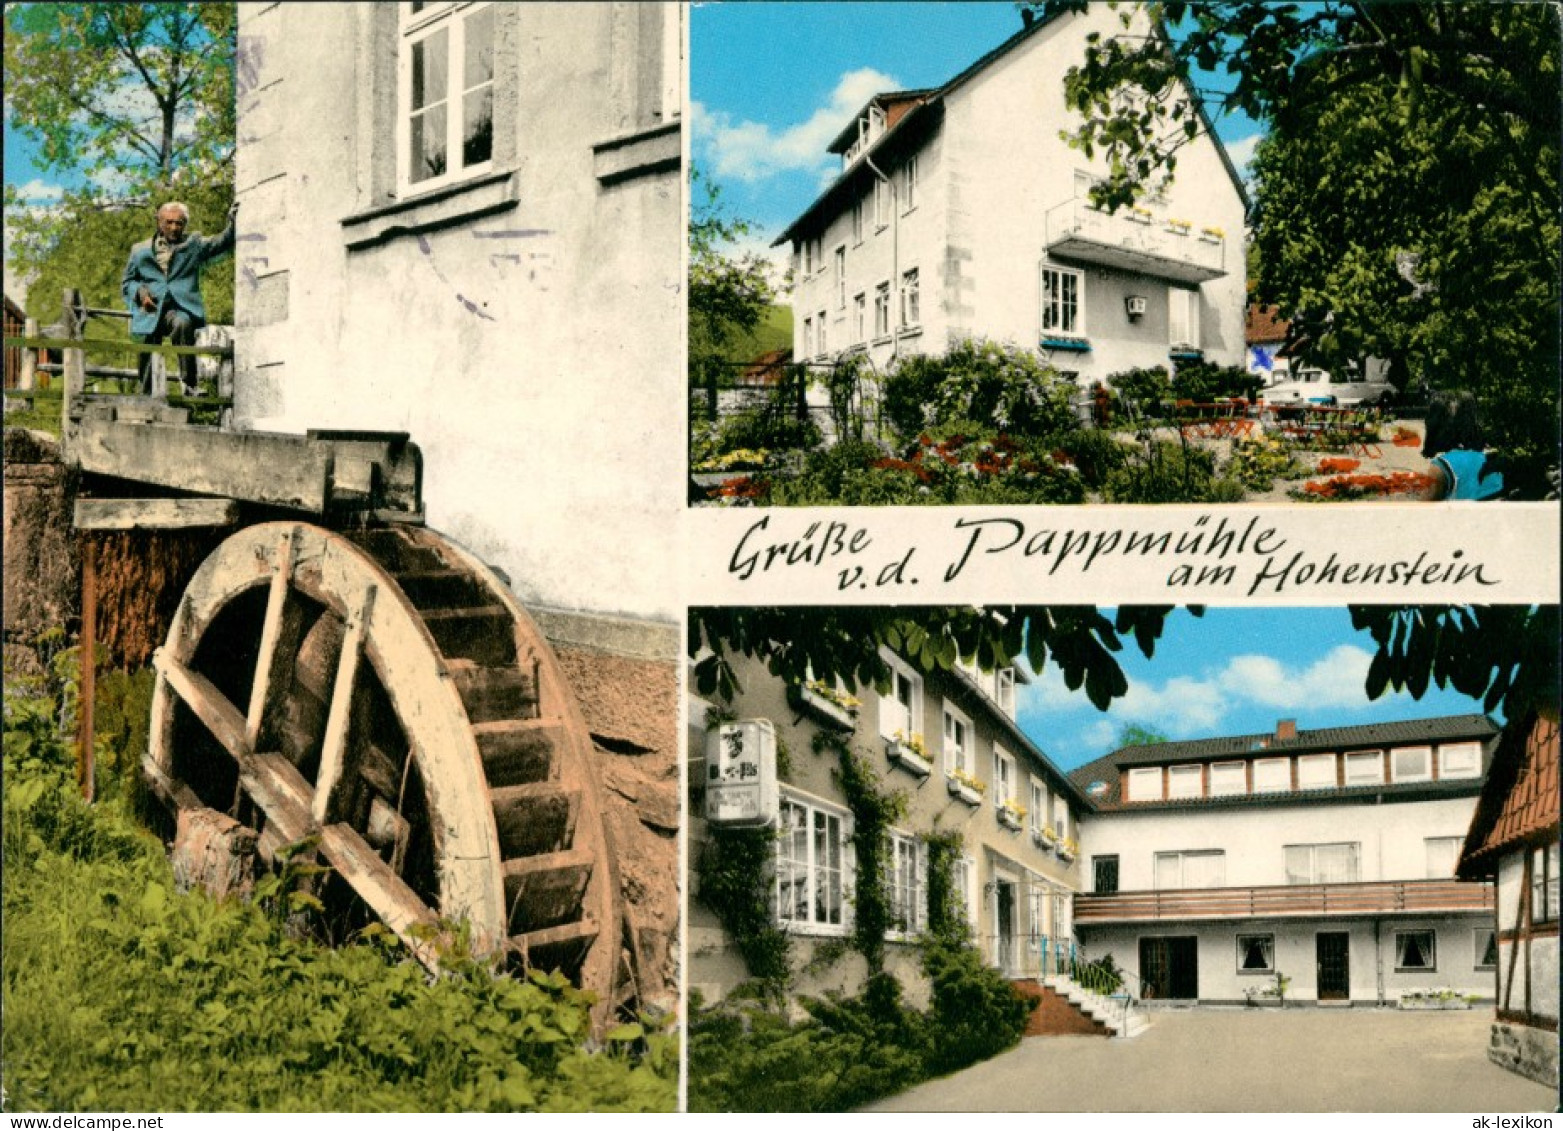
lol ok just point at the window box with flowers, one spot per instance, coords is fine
(908, 752)
(1139, 215)
(827, 703)
(1011, 815)
(1179, 227)
(1045, 835)
(1212, 235)
(964, 786)
(1068, 849)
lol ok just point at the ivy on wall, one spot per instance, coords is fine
(874, 811)
(946, 906)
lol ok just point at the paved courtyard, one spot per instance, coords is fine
(1249, 1060)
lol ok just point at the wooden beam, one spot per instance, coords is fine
(154, 514)
(210, 705)
(274, 664)
(333, 745)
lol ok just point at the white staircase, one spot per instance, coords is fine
(1121, 1018)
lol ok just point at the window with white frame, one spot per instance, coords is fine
(1484, 947)
(1323, 863)
(859, 318)
(1185, 781)
(1272, 775)
(1004, 690)
(812, 855)
(1365, 767)
(881, 204)
(1183, 317)
(958, 750)
(909, 184)
(1415, 951)
(1036, 917)
(858, 207)
(963, 876)
(1228, 778)
(1460, 760)
(882, 310)
(819, 327)
(808, 336)
(908, 903)
(1062, 308)
(1411, 763)
(1202, 869)
(1544, 884)
(1003, 777)
(1443, 853)
(911, 299)
(1316, 771)
(1039, 805)
(1256, 954)
(447, 93)
(1061, 821)
(1145, 784)
(841, 277)
(901, 707)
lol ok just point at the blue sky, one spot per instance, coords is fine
(772, 83)
(1231, 671)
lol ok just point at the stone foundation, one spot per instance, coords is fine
(1532, 1053)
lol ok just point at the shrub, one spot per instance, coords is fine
(766, 429)
(975, 1013)
(1258, 461)
(1163, 472)
(1144, 388)
(1096, 453)
(1000, 387)
(1203, 382)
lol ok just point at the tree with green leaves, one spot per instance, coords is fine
(135, 101)
(798, 644)
(729, 292)
(1406, 197)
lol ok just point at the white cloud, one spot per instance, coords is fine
(752, 151)
(1241, 152)
(38, 191)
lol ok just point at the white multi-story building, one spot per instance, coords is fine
(1323, 857)
(959, 212)
(949, 741)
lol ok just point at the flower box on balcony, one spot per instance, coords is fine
(1067, 852)
(908, 757)
(1046, 838)
(1010, 817)
(825, 705)
(1138, 215)
(1073, 345)
(1179, 227)
(963, 788)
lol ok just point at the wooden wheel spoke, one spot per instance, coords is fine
(278, 646)
(217, 713)
(334, 746)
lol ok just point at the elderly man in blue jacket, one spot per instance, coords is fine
(162, 286)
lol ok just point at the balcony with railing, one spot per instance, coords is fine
(1388, 897)
(1133, 240)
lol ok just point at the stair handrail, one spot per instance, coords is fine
(1111, 984)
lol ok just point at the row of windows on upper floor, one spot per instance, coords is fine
(877, 205)
(1337, 863)
(815, 341)
(1285, 774)
(1018, 802)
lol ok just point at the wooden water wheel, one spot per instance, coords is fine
(383, 692)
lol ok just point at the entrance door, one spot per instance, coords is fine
(1333, 949)
(1004, 896)
(1169, 967)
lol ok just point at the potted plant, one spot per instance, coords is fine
(908, 752)
(964, 786)
(1271, 994)
(1045, 835)
(1011, 814)
(1179, 227)
(1068, 849)
(828, 703)
(1212, 235)
(1139, 215)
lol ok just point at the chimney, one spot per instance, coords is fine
(1285, 730)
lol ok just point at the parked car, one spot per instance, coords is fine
(1315, 386)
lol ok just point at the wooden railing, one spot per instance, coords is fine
(1391, 897)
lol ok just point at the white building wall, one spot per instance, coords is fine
(538, 368)
(1371, 955)
(1392, 837)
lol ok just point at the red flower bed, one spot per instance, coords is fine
(1338, 465)
(743, 487)
(1361, 486)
